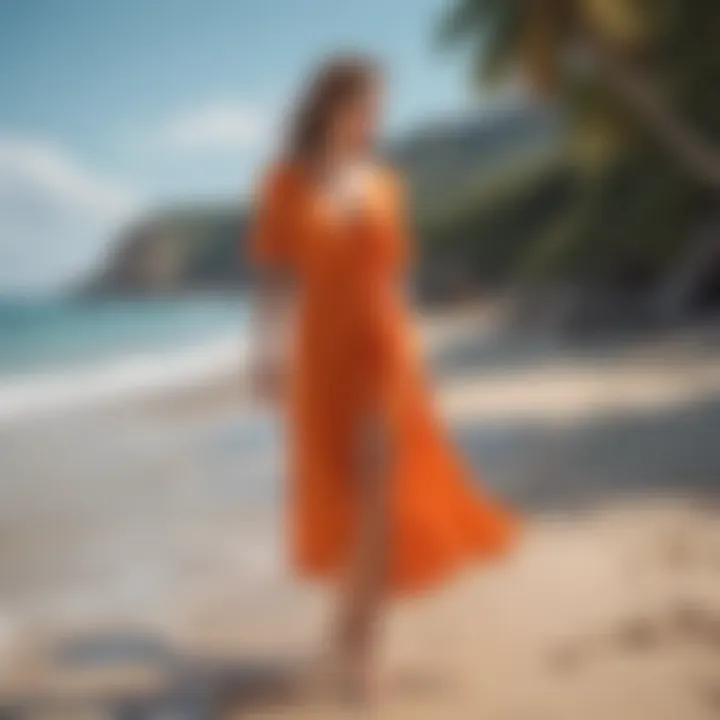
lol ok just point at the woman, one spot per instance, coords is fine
(379, 503)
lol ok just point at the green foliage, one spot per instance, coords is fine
(632, 206)
(489, 228)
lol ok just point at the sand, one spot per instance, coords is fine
(141, 552)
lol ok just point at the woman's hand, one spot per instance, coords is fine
(268, 355)
(267, 382)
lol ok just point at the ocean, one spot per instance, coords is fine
(59, 353)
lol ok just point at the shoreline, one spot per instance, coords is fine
(163, 517)
(130, 378)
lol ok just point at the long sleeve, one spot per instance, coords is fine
(271, 242)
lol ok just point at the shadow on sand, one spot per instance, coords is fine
(191, 688)
(548, 467)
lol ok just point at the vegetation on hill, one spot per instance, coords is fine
(457, 172)
(637, 81)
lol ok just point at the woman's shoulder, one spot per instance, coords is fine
(390, 181)
(278, 179)
(388, 175)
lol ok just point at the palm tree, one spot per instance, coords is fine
(638, 79)
(615, 44)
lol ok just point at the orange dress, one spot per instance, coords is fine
(354, 356)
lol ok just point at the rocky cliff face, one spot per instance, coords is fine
(177, 250)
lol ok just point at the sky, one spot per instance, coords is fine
(109, 108)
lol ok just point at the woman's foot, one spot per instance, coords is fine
(356, 681)
(340, 677)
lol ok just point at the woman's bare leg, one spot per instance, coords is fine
(362, 594)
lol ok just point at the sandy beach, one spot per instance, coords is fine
(142, 544)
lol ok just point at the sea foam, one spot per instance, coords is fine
(43, 394)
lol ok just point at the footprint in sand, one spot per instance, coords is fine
(639, 634)
(694, 621)
(569, 657)
(633, 635)
(688, 620)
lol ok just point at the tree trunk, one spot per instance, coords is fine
(678, 292)
(699, 157)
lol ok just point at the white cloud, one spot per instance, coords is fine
(55, 215)
(216, 127)
(47, 169)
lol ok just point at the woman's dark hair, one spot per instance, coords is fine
(337, 81)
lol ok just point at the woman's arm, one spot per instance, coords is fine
(269, 357)
(270, 254)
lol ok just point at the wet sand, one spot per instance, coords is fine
(153, 529)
